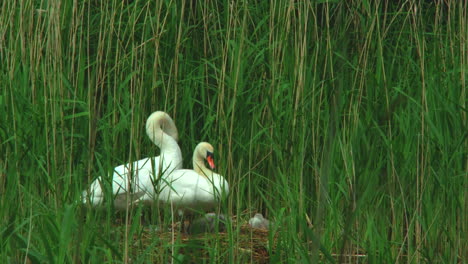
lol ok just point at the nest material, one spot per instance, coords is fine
(249, 244)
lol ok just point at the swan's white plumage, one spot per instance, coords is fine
(258, 221)
(198, 189)
(139, 176)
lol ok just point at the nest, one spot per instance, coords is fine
(239, 243)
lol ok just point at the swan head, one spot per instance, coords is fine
(161, 120)
(205, 150)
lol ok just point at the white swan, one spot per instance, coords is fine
(199, 189)
(259, 222)
(135, 181)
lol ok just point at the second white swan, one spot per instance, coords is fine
(197, 189)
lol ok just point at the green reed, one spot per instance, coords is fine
(342, 122)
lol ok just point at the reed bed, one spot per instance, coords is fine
(343, 122)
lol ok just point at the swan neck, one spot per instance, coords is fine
(158, 136)
(167, 143)
(199, 164)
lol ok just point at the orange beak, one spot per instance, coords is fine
(210, 161)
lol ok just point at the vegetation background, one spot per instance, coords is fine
(345, 122)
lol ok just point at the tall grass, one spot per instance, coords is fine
(344, 122)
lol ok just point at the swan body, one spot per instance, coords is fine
(135, 181)
(209, 223)
(258, 221)
(197, 189)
